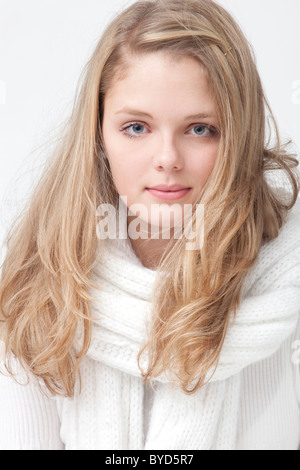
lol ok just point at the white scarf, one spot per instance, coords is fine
(112, 388)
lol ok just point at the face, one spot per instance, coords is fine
(161, 133)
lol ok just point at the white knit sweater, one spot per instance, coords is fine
(252, 402)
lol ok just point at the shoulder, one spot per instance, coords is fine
(288, 238)
(279, 259)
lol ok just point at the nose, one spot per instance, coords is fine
(168, 157)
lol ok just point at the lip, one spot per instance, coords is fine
(169, 192)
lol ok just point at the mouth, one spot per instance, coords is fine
(169, 192)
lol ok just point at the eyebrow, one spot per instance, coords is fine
(136, 112)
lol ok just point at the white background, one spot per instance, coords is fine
(44, 45)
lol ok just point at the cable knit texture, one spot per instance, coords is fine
(251, 402)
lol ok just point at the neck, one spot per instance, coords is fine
(148, 249)
(150, 252)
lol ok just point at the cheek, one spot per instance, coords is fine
(126, 168)
(120, 174)
(126, 161)
(203, 164)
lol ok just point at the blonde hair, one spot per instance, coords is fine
(53, 247)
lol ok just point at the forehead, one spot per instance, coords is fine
(154, 62)
(152, 77)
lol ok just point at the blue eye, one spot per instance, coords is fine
(137, 129)
(134, 130)
(204, 130)
(200, 130)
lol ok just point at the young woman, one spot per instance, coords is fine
(140, 338)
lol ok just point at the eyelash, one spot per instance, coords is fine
(212, 130)
(124, 129)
